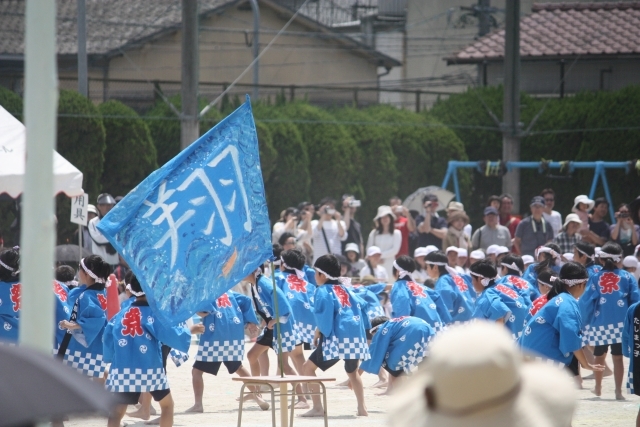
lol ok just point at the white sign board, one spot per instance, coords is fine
(79, 209)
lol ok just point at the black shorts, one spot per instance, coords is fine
(601, 350)
(574, 366)
(213, 367)
(132, 397)
(306, 346)
(165, 353)
(350, 365)
(267, 338)
(395, 374)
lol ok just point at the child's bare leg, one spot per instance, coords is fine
(358, 390)
(297, 357)
(618, 374)
(598, 375)
(144, 411)
(383, 379)
(255, 359)
(309, 370)
(116, 416)
(243, 372)
(198, 390)
(166, 411)
(638, 419)
(264, 363)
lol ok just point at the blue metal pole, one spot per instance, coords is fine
(607, 194)
(594, 183)
(456, 186)
(447, 175)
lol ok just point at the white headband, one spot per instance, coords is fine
(299, 273)
(583, 253)
(401, 271)
(484, 280)
(547, 284)
(14, 272)
(134, 293)
(614, 257)
(344, 280)
(277, 262)
(436, 263)
(511, 266)
(568, 282)
(90, 273)
(543, 249)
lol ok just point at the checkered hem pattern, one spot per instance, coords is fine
(605, 334)
(410, 361)
(136, 380)
(178, 357)
(221, 351)
(88, 364)
(549, 362)
(630, 388)
(376, 312)
(345, 348)
(305, 332)
(289, 340)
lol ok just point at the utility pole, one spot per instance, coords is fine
(189, 129)
(256, 48)
(484, 23)
(511, 114)
(83, 83)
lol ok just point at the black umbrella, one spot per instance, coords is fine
(70, 253)
(36, 388)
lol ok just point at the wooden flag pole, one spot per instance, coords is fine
(284, 420)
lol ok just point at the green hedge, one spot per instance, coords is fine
(130, 155)
(11, 102)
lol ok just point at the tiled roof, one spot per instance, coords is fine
(563, 30)
(114, 24)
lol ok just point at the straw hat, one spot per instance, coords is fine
(456, 215)
(572, 218)
(384, 210)
(476, 377)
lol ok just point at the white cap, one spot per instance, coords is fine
(583, 199)
(477, 254)
(352, 247)
(597, 251)
(373, 250)
(420, 252)
(502, 250)
(451, 249)
(463, 253)
(630, 262)
(430, 248)
(527, 259)
(568, 256)
(493, 250)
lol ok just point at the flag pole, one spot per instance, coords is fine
(284, 420)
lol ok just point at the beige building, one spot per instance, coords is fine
(140, 41)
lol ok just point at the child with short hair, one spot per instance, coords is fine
(453, 290)
(341, 332)
(223, 342)
(132, 344)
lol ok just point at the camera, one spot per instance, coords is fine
(329, 211)
(624, 214)
(354, 203)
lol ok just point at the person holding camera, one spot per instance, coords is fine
(625, 232)
(288, 223)
(354, 231)
(329, 231)
(431, 228)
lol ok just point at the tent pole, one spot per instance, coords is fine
(38, 232)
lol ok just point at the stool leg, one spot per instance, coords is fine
(293, 403)
(240, 406)
(324, 403)
(273, 405)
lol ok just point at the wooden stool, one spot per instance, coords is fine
(283, 393)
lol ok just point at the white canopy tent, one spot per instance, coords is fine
(67, 178)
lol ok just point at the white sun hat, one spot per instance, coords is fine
(373, 250)
(475, 376)
(583, 199)
(420, 252)
(527, 259)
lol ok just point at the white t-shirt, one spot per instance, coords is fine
(379, 272)
(333, 238)
(99, 242)
(555, 219)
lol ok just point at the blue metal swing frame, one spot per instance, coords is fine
(599, 173)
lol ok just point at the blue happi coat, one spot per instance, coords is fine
(372, 308)
(310, 274)
(408, 298)
(531, 276)
(299, 293)
(499, 301)
(604, 305)
(455, 297)
(441, 307)
(265, 305)
(127, 303)
(631, 344)
(555, 331)
(133, 345)
(9, 311)
(399, 344)
(63, 311)
(223, 337)
(85, 348)
(342, 322)
(525, 289)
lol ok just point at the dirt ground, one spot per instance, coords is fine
(221, 407)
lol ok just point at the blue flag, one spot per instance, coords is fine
(198, 225)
